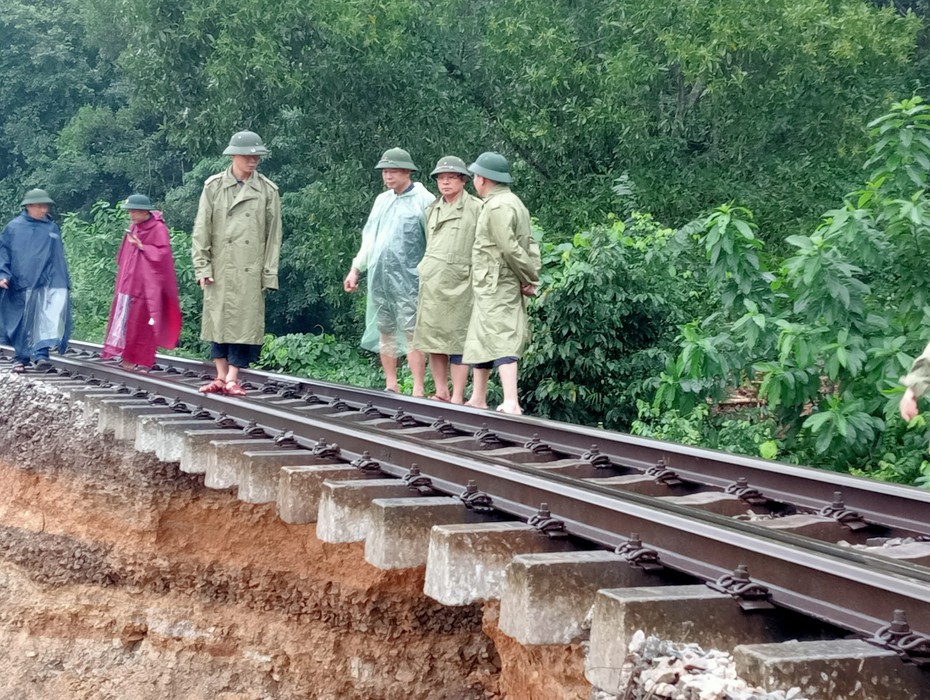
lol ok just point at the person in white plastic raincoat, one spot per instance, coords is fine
(444, 306)
(505, 270)
(393, 242)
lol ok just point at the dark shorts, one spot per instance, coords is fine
(236, 354)
(494, 363)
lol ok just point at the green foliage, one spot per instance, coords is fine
(608, 308)
(321, 357)
(826, 332)
(746, 432)
(603, 107)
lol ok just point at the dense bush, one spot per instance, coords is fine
(827, 332)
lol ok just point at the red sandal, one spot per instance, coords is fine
(233, 389)
(217, 386)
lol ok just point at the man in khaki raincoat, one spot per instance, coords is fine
(392, 245)
(444, 306)
(236, 245)
(917, 382)
(505, 270)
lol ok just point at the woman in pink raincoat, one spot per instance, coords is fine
(146, 311)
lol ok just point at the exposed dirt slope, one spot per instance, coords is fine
(121, 577)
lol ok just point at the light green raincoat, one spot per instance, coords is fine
(237, 242)
(505, 257)
(444, 306)
(393, 241)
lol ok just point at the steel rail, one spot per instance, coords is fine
(843, 586)
(890, 505)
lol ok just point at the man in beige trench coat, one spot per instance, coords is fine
(444, 303)
(505, 270)
(236, 246)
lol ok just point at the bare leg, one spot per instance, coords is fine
(459, 380)
(232, 373)
(389, 361)
(511, 403)
(439, 368)
(222, 368)
(417, 361)
(479, 388)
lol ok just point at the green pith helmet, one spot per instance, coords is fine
(138, 201)
(492, 166)
(246, 143)
(396, 158)
(36, 197)
(450, 164)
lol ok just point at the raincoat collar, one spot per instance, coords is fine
(497, 190)
(46, 220)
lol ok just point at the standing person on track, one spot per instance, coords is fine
(35, 289)
(505, 270)
(146, 309)
(236, 246)
(393, 242)
(445, 301)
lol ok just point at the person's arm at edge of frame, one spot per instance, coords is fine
(917, 382)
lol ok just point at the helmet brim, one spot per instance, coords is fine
(496, 176)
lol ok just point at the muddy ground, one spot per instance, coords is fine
(121, 577)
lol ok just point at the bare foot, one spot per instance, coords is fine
(475, 405)
(510, 407)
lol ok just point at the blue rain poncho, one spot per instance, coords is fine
(393, 242)
(35, 310)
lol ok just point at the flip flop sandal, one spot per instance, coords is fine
(217, 386)
(436, 397)
(233, 389)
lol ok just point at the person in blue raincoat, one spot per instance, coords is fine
(393, 242)
(35, 297)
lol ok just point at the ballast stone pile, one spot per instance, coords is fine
(662, 670)
(20, 393)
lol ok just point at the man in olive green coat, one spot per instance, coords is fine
(505, 270)
(445, 300)
(236, 245)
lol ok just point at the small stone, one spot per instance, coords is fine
(32, 654)
(637, 642)
(664, 690)
(404, 676)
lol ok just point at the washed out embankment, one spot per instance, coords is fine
(122, 577)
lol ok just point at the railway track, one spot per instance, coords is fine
(765, 533)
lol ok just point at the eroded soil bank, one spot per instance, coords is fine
(121, 577)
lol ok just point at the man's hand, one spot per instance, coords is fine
(528, 290)
(203, 282)
(350, 283)
(908, 406)
(5, 284)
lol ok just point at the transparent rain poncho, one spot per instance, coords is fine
(393, 242)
